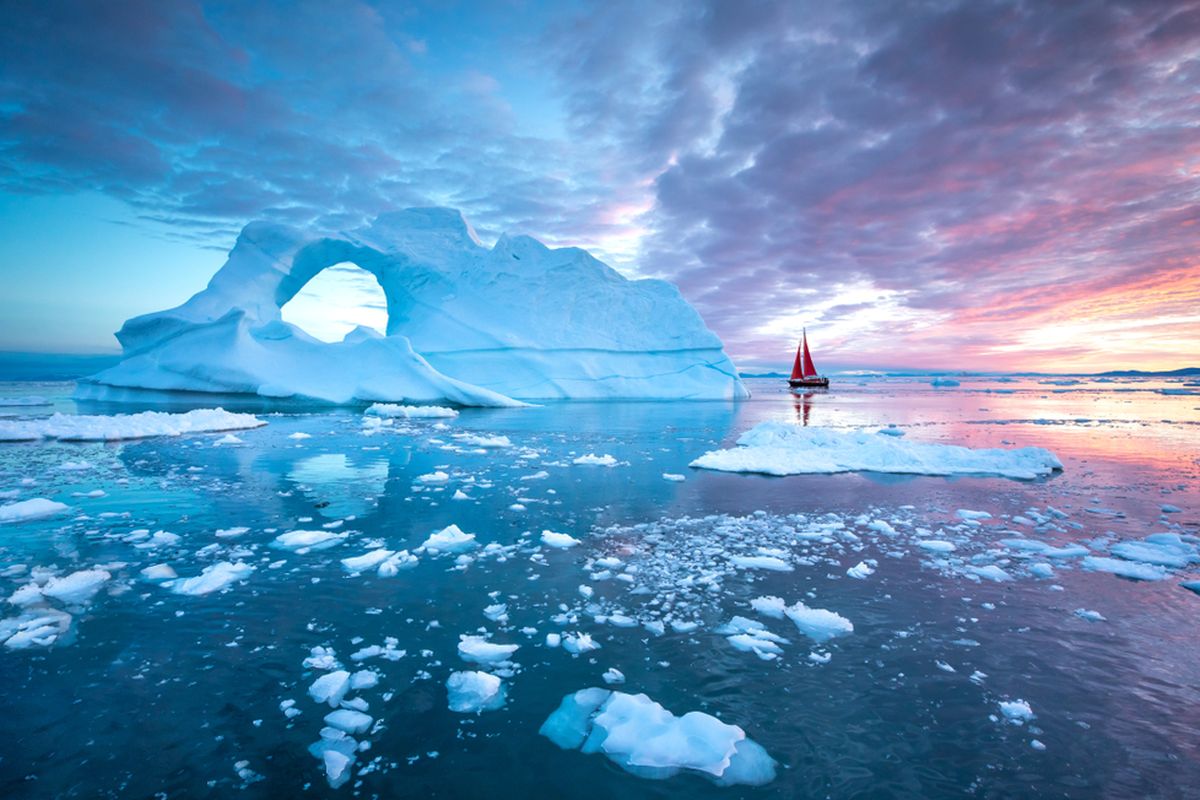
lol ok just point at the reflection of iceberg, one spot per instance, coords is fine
(338, 487)
(466, 325)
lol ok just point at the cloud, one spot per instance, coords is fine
(924, 177)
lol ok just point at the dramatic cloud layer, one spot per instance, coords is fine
(961, 183)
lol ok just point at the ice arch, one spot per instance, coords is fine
(335, 302)
(467, 324)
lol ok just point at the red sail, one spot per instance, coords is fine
(809, 370)
(798, 367)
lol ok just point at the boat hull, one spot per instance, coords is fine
(809, 382)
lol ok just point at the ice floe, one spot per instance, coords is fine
(86, 428)
(212, 578)
(775, 448)
(411, 412)
(33, 508)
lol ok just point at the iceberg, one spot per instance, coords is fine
(775, 448)
(468, 325)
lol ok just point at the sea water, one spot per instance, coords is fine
(984, 657)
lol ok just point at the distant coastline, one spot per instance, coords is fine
(1183, 372)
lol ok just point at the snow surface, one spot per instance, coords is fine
(88, 428)
(647, 740)
(467, 325)
(775, 448)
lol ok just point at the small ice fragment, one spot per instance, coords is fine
(472, 692)
(1017, 712)
(613, 676)
(558, 540)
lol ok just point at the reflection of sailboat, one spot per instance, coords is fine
(803, 403)
(803, 371)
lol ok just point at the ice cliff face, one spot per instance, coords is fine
(466, 324)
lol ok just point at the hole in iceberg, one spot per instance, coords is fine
(337, 300)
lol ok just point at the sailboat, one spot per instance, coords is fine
(803, 371)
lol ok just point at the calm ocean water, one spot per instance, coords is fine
(154, 693)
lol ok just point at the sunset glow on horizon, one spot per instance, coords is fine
(960, 185)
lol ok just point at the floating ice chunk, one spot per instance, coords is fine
(991, 572)
(861, 570)
(1126, 569)
(366, 561)
(1045, 549)
(411, 412)
(213, 578)
(553, 639)
(301, 541)
(968, 514)
(592, 459)
(613, 676)
(890, 430)
(364, 679)
(943, 382)
(818, 624)
(230, 533)
(775, 448)
(77, 588)
(34, 508)
(645, 739)
(450, 539)
(1167, 508)
(769, 605)
(576, 643)
(477, 440)
(459, 494)
(40, 628)
(160, 539)
(936, 546)
(336, 767)
(1089, 615)
(474, 692)
(1017, 712)
(1041, 570)
(1193, 586)
(159, 572)
(674, 476)
(83, 428)
(558, 540)
(330, 688)
(348, 720)
(391, 566)
(497, 612)
(1163, 549)
(437, 476)
(228, 438)
(481, 651)
(761, 562)
(299, 436)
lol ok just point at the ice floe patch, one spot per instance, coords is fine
(87, 428)
(775, 448)
(411, 412)
(33, 508)
(645, 739)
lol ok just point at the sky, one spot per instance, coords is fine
(953, 184)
